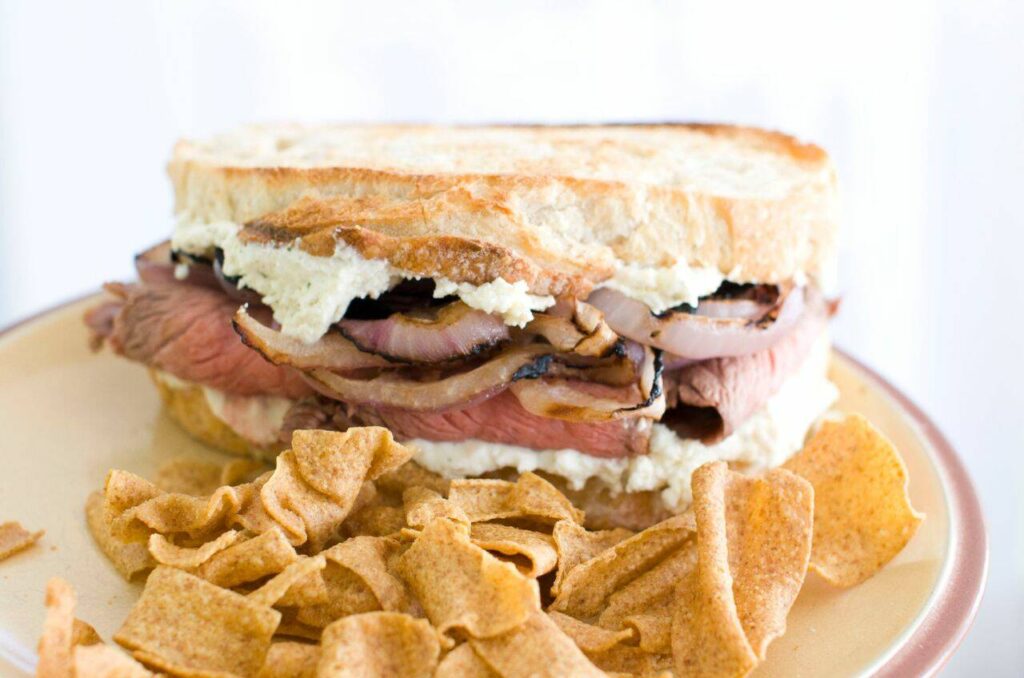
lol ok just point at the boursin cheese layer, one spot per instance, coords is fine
(309, 293)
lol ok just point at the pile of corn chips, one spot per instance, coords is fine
(347, 559)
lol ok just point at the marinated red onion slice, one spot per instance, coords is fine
(455, 331)
(694, 336)
(746, 309)
(332, 351)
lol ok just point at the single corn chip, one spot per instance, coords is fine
(379, 644)
(654, 628)
(462, 586)
(128, 558)
(84, 634)
(14, 538)
(463, 662)
(293, 575)
(336, 464)
(166, 552)
(753, 547)
(862, 512)
(532, 552)
(375, 520)
(589, 638)
(530, 497)
(291, 627)
(198, 517)
(289, 659)
(587, 586)
(358, 579)
(55, 643)
(188, 476)
(411, 474)
(303, 512)
(252, 515)
(575, 545)
(347, 594)
(534, 649)
(241, 471)
(629, 660)
(368, 558)
(707, 635)
(307, 592)
(249, 560)
(423, 505)
(644, 603)
(186, 626)
(537, 498)
(104, 661)
(123, 490)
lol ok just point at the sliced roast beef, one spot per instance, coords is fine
(503, 420)
(500, 419)
(713, 397)
(186, 330)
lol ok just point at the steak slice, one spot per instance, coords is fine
(186, 330)
(500, 419)
(716, 396)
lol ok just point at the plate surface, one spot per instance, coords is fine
(67, 416)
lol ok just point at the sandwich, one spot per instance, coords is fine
(608, 306)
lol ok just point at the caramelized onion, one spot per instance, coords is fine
(575, 327)
(695, 336)
(404, 391)
(586, 401)
(332, 351)
(455, 331)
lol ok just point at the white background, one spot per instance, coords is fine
(921, 104)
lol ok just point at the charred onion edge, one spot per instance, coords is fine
(281, 357)
(652, 325)
(654, 392)
(475, 350)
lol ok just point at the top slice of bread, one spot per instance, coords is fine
(558, 207)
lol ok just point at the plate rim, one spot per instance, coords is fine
(953, 606)
(950, 612)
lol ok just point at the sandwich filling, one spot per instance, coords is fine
(654, 373)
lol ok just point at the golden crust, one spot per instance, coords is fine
(188, 407)
(558, 207)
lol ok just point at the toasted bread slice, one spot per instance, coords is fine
(558, 207)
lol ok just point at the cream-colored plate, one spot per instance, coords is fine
(67, 416)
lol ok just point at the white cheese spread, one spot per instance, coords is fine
(764, 441)
(512, 301)
(662, 288)
(308, 293)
